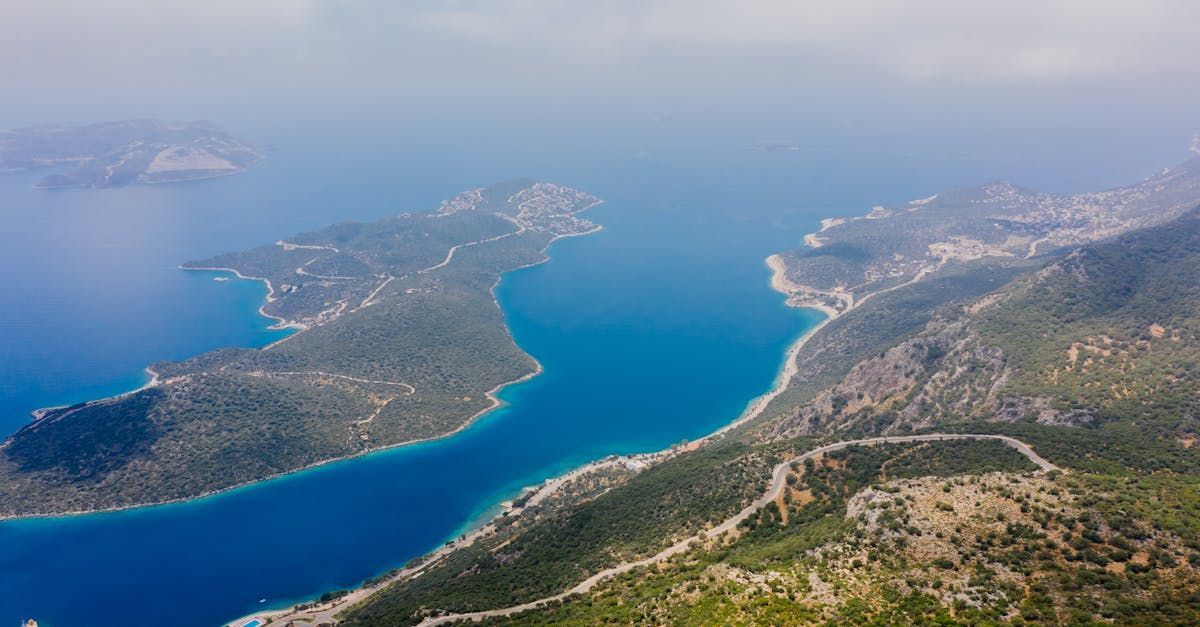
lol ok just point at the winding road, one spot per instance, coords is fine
(327, 612)
(778, 481)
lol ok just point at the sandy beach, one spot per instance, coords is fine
(796, 292)
(780, 283)
(779, 280)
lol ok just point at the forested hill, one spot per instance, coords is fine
(400, 339)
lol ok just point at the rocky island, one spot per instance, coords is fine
(398, 339)
(115, 154)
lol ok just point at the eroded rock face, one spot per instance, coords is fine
(948, 373)
(1040, 410)
(909, 385)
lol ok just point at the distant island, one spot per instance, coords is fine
(116, 154)
(399, 339)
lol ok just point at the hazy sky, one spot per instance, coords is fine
(1100, 58)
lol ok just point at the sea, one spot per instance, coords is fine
(658, 329)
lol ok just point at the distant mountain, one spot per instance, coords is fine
(115, 154)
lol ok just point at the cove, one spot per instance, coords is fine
(657, 329)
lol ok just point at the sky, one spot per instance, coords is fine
(1098, 64)
(179, 47)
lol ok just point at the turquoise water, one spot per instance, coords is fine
(657, 329)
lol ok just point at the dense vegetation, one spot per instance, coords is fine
(1112, 332)
(674, 499)
(404, 343)
(1114, 448)
(961, 245)
(1091, 359)
(761, 574)
(677, 498)
(948, 532)
(967, 548)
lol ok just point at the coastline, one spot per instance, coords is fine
(776, 486)
(812, 240)
(41, 412)
(492, 395)
(280, 322)
(754, 409)
(780, 283)
(279, 325)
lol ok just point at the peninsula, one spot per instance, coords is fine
(398, 339)
(115, 154)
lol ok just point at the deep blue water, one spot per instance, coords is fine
(657, 329)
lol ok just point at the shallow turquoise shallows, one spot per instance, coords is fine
(660, 328)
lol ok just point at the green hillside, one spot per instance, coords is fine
(1088, 356)
(393, 319)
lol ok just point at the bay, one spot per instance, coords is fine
(659, 328)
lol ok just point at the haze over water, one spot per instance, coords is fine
(658, 329)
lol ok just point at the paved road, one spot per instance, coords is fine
(778, 481)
